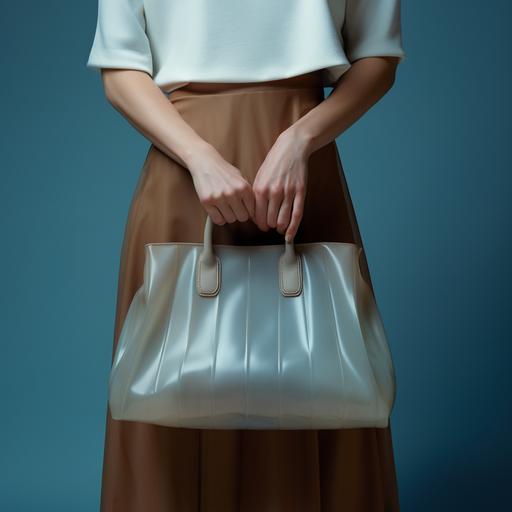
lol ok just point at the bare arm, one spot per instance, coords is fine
(280, 184)
(223, 191)
(365, 83)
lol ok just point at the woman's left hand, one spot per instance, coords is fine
(280, 185)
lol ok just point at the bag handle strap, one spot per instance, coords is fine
(208, 270)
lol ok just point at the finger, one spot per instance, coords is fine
(298, 206)
(284, 216)
(260, 210)
(239, 209)
(274, 205)
(238, 206)
(248, 201)
(215, 215)
(226, 211)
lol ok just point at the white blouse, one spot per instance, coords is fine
(180, 41)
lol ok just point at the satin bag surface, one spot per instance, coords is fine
(253, 337)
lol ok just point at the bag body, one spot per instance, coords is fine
(248, 353)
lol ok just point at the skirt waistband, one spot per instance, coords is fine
(310, 80)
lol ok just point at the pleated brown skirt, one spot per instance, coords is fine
(151, 468)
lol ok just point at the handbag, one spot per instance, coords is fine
(253, 337)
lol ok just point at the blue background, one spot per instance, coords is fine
(429, 169)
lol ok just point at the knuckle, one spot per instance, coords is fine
(244, 187)
(260, 191)
(276, 190)
(237, 191)
(212, 198)
(289, 189)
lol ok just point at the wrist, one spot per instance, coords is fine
(302, 138)
(199, 150)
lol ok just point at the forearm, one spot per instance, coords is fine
(136, 96)
(358, 89)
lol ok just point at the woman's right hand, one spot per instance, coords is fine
(224, 193)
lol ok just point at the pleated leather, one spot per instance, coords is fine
(250, 357)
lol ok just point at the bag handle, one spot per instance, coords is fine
(208, 270)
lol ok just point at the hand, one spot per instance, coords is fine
(224, 193)
(280, 186)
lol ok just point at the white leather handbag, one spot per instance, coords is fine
(253, 337)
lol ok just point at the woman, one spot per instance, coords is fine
(230, 94)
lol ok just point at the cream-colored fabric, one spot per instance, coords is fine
(180, 41)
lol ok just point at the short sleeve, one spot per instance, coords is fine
(372, 28)
(121, 40)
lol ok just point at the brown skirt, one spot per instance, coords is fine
(151, 468)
